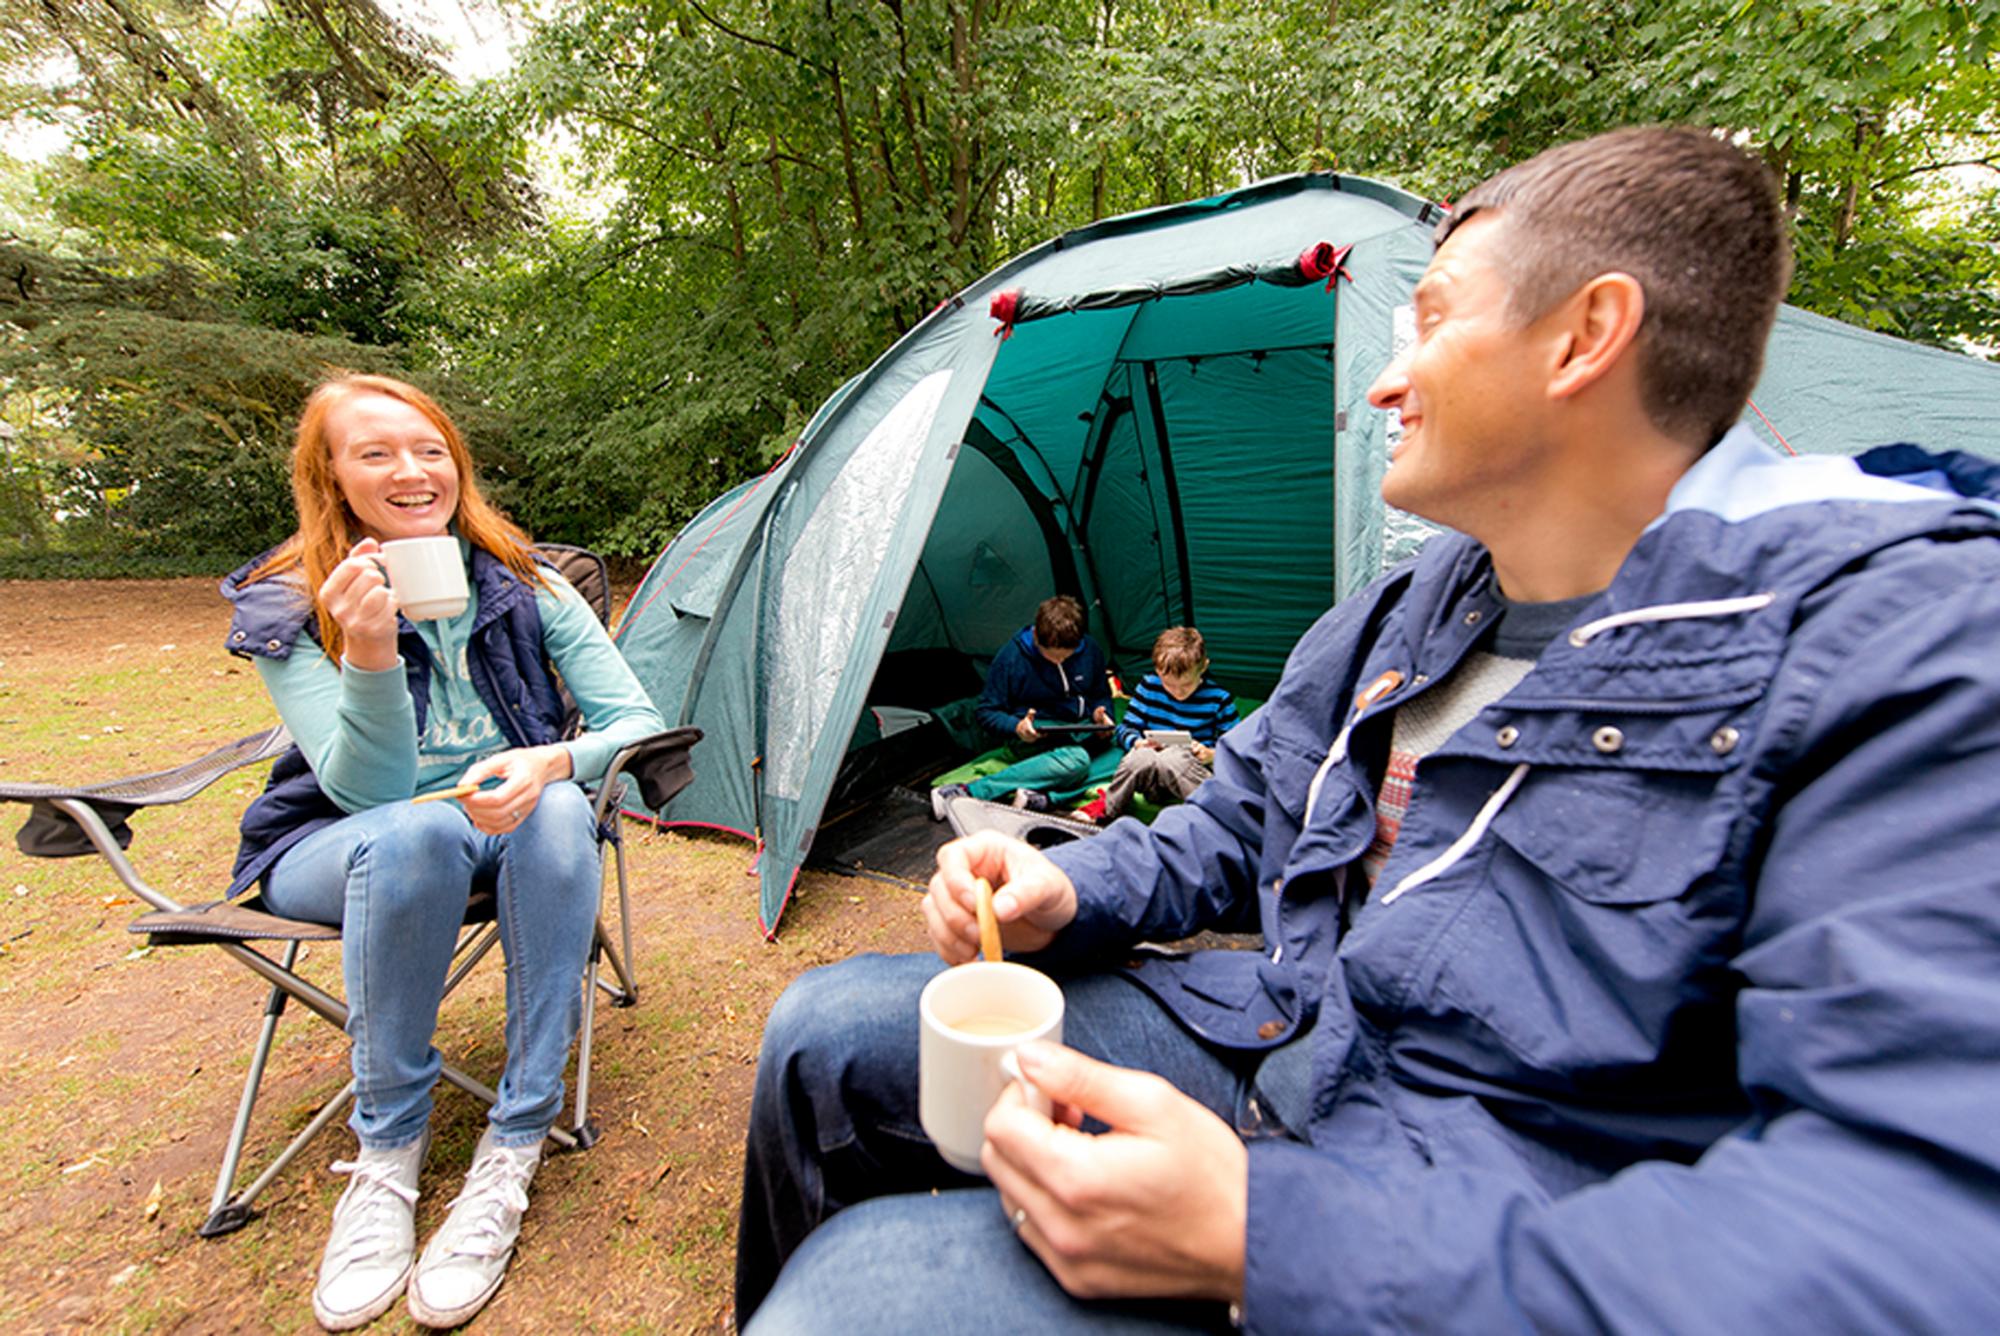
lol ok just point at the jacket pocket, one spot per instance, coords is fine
(1618, 837)
(1594, 946)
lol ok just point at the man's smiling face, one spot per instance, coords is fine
(1470, 388)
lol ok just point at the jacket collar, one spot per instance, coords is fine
(1743, 522)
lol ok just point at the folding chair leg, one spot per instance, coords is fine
(225, 1216)
(238, 1213)
(621, 959)
(624, 993)
(585, 1131)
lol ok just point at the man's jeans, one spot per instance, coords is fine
(834, 1123)
(396, 878)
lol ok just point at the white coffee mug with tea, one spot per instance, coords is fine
(973, 1017)
(427, 575)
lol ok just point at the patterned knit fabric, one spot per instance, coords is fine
(1422, 727)
(1207, 713)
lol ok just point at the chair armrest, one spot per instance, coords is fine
(659, 763)
(51, 832)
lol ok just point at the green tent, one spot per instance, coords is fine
(1163, 413)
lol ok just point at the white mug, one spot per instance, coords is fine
(961, 1071)
(427, 575)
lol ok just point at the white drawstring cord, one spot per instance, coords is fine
(1334, 756)
(1667, 612)
(1438, 866)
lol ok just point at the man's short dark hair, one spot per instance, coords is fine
(1693, 218)
(1179, 651)
(1059, 623)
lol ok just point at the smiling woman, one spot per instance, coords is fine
(385, 709)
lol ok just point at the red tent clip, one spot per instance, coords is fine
(1325, 260)
(1002, 308)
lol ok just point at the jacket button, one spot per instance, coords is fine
(1607, 740)
(1723, 741)
(1508, 735)
(1472, 618)
(1277, 885)
(273, 646)
(240, 637)
(1270, 1029)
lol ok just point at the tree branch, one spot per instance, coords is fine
(763, 42)
(1991, 163)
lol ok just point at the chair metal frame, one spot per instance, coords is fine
(177, 924)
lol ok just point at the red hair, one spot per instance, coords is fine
(327, 525)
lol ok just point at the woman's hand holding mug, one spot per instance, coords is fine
(357, 595)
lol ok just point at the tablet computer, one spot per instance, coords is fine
(1069, 726)
(1170, 737)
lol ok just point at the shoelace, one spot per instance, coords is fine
(498, 1183)
(374, 1187)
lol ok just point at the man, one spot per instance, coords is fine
(1673, 997)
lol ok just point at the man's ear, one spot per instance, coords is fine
(1600, 323)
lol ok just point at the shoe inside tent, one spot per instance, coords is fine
(1163, 414)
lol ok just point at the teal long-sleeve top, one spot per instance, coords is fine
(358, 729)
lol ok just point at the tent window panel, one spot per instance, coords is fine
(825, 580)
(1252, 441)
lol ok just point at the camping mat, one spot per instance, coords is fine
(893, 838)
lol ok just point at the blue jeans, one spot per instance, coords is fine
(833, 1123)
(396, 879)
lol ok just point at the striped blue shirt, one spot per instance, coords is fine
(1207, 713)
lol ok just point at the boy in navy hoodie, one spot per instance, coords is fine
(1051, 672)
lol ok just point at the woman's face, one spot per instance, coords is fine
(393, 467)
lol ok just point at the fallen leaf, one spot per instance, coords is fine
(124, 1275)
(154, 1198)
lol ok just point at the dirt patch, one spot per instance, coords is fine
(122, 1066)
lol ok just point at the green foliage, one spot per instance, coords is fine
(779, 189)
(325, 270)
(168, 437)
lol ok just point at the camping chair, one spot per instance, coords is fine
(71, 820)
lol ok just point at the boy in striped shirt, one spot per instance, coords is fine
(1177, 696)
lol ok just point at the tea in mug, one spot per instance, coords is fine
(992, 1025)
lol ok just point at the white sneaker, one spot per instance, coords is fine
(466, 1260)
(374, 1237)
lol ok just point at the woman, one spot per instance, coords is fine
(382, 710)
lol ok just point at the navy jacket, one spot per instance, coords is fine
(1677, 1006)
(505, 661)
(1021, 680)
